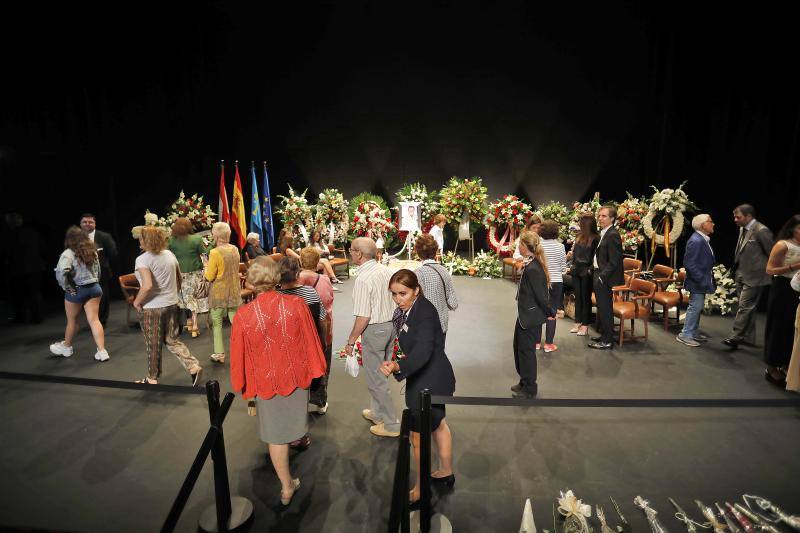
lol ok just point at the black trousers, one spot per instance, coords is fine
(525, 341)
(605, 309)
(583, 299)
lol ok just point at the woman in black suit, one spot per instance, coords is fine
(425, 366)
(532, 311)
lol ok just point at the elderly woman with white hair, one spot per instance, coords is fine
(253, 248)
(225, 296)
(698, 260)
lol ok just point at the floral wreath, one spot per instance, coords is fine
(463, 196)
(592, 207)
(630, 214)
(370, 219)
(669, 204)
(296, 214)
(332, 210)
(559, 213)
(510, 212)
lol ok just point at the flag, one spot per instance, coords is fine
(222, 212)
(237, 209)
(266, 213)
(256, 223)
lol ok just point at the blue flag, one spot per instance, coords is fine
(266, 213)
(255, 209)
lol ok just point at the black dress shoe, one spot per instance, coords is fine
(525, 394)
(601, 345)
(446, 480)
(775, 381)
(731, 343)
(516, 388)
(596, 339)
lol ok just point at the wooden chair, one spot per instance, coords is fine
(130, 288)
(515, 265)
(637, 302)
(631, 266)
(340, 263)
(275, 257)
(663, 276)
(670, 299)
(247, 293)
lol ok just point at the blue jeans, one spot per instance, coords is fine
(692, 320)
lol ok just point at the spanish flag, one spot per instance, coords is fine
(237, 210)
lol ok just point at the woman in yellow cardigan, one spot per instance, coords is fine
(224, 296)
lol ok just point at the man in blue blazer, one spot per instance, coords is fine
(699, 262)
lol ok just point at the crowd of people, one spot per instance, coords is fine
(281, 341)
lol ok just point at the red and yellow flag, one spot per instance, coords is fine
(237, 210)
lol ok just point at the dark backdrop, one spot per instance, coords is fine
(115, 111)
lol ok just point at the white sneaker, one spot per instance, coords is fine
(101, 355)
(321, 410)
(59, 348)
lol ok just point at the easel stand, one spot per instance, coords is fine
(673, 255)
(471, 247)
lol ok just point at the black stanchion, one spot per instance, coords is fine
(228, 513)
(425, 461)
(398, 514)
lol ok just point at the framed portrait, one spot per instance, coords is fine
(410, 216)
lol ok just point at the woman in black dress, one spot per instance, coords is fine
(582, 254)
(425, 366)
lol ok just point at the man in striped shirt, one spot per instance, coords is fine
(373, 308)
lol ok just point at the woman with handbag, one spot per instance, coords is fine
(424, 366)
(436, 283)
(189, 250)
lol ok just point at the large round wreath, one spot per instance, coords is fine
(371, 218)
(669, 205)
(510, 212)
(331, 210)
(296, 214)
(460, 195)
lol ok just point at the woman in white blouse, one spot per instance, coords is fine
(437, 231)
(556, 264)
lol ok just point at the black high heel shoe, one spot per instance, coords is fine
(446, 480)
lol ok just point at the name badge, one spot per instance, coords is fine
(405, 328)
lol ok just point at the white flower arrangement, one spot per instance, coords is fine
(332, 209)
(192, 207)
(668, 205)
(487, 265)
(296, 212)
(455, 264)
(724, 297)
(418, 192)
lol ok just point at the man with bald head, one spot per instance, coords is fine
(373, 308)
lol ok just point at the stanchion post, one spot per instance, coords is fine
(425, 461)
(398, 514)
(222, 491)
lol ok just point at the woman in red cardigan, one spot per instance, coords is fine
(275, 353)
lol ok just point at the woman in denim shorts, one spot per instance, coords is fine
(78, 273)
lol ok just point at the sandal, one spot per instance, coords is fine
(145, 381)
(195, 333)
(286, 495)
(218, 357)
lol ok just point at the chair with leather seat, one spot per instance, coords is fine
(631, 266)
(670, 299)
(130, 288)
(635, 303)
(515, 265)
(340, 263)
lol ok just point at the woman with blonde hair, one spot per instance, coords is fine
(189, 250)
(533, 310)
(275, 355)
(159, 277)
(78, 274)
(225, 295)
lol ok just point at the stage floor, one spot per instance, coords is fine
(87, 459)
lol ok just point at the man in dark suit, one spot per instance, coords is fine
(608, 272)
(750, 273)
(107, 252)
(699, 262)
